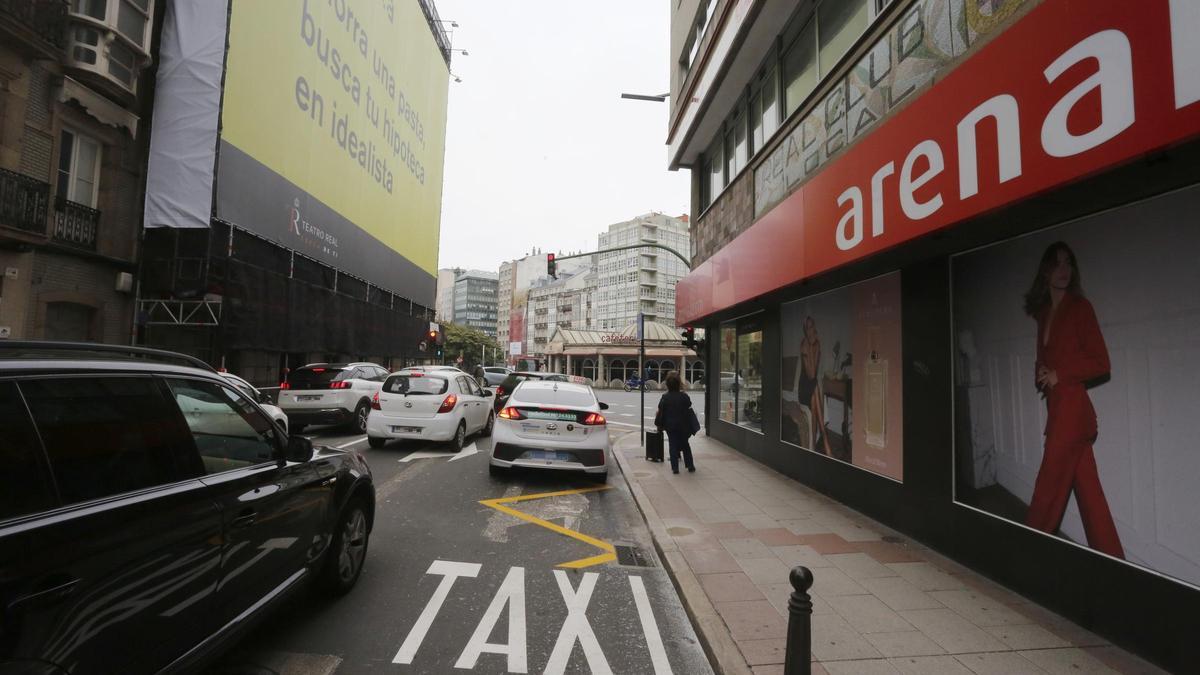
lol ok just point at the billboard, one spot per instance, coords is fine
(1077, 381)
(842, 387)
(332, 135)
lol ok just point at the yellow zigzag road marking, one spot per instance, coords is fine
(609, 554)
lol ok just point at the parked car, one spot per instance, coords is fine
(510, 383)
(552, 425)
(430, 406)
(331, 393)
(140, 538)
(495, 375)
(273, 411)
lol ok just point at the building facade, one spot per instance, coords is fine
(73, 93)
(444, 302)
(640, 280)
(943, 252)
(474, 300)
(567, 303)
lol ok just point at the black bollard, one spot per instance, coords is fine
(798, 658)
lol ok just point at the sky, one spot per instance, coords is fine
(541, 151)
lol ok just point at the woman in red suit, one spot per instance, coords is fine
(1070, 353)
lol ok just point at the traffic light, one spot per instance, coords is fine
(432, 337)
(440, 352)
(551, 266)
(689, 338)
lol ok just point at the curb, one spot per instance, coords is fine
(723, 654)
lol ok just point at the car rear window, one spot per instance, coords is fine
(315, 378)
(548, 396)
(415, 385)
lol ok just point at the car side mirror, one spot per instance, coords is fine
(603, 405)
(299, 449)
(489, 393)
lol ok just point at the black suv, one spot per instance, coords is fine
(150, 512)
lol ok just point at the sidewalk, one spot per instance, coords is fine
(729, 533)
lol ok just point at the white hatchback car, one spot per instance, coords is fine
(436, 405)
(552, 425)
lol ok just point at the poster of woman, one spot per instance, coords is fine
(1077, 382)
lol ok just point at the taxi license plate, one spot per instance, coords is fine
(550, 455)
(406, 430)
(308, 398)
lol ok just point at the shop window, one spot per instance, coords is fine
(740, 393)
(840, 376)
(78, 168)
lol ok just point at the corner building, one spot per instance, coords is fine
(945, 257)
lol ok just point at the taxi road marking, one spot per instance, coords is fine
(609, 554)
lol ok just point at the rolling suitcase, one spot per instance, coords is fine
(654, 446)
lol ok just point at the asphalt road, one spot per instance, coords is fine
(451, 584)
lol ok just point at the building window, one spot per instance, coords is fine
(78, 168)
(838, 26)
(110, 38)
(800, 67)
(692, 47)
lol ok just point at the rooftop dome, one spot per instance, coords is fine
(655, 332)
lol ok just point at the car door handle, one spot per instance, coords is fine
(51, 589)
(245, 519)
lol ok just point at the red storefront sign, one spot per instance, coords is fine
(1073, 88)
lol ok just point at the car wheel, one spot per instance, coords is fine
(297, 428)
(359, 423)
(497, 471)
(348, 550)
(460, 437)
(487, 428)
(376, 442)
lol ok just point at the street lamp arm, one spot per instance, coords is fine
(672, 251)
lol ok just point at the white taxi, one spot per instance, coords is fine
(429, 405)
(552, 425)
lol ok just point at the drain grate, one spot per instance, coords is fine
(632, 556)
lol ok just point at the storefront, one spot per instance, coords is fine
(980, 323)
(609, 359)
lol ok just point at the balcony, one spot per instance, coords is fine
(75, 224)
(23, 200)
(38, 25)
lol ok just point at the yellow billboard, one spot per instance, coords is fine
(333, 128)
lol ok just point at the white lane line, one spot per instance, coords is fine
(450, 572)
(511, 593)
(626, 414)
(343, 446)
(658, 653)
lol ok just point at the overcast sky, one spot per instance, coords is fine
(540, 148)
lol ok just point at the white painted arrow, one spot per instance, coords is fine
(434, 454)
(466, 452)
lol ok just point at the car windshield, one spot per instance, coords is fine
(550, 396)
(415, 385)
(315, 378)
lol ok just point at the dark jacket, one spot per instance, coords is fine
(672, 414)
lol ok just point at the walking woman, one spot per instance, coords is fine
(1070, 353)
(676, 417)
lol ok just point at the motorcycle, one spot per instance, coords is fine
(633, 383)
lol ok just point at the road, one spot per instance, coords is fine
(452, 584)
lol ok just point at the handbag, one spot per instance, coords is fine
(693, 422)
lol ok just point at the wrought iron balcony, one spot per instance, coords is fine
(41, 24)
(76, 224)
(23, 201)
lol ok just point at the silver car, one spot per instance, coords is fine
(495, 375)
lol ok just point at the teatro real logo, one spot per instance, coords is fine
(314, 238)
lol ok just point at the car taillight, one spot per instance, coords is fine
(448, 404)
(285, 385)
(594, 419)
(499, 391)
(511, 414)
(375, 402)
(343, 384)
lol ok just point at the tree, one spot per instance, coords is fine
(472, 344)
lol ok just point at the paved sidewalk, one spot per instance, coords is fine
(730, 533)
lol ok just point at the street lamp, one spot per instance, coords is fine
(659, 98)
(453, 24)
(461, 51)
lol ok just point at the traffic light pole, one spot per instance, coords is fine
(687, 263)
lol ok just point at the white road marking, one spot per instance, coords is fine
(511, 593)
(626, 414)
(576, 627)
(658, 653)
(450, 572)
(426, 454)
(466, 452)
(343, 446)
